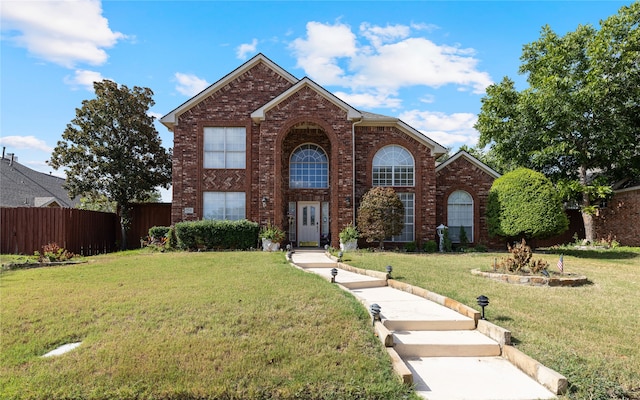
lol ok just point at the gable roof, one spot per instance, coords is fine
(470, 158)
(169, 120)
(21, 186)
(352, 113)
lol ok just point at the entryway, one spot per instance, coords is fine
(308, 223)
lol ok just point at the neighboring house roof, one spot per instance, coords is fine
(169, 120)
(21, 186)
(471, 159)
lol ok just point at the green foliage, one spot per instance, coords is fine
(410, 247)
(272, 232)
(430, 246)
(158, 231)
(53, 253)
(524, 203)
(447, 245)
(464, 240)
(349, 233)
(112, 149)
(381, 214)
(581, 111)
(216, 235)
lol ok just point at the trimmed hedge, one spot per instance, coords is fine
(217, 235)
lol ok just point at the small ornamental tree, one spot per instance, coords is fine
(381, 215)
(524, 204)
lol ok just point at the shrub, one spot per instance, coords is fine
(464, 240)
(216, 235)
(524, 204)
(410, 247)
(53, 253)
(446, 242)
(158, 232)
(430, 246)
(520, 260)
(349, 233)
(273, 233)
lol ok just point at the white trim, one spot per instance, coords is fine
(171, 119)
(352, 113)
(472, 159)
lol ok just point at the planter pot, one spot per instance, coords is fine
(349, 245)
(268, 245)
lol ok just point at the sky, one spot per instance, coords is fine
(425, 62)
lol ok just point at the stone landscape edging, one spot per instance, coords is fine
(533, 280)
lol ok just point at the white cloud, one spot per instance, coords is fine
(84, 78)
(319, 53)
(247, 48)
(25, 142)
(447, 129)
(369, 100)
(394, 58)
(155, 115)
(189, 84)
(63, 32)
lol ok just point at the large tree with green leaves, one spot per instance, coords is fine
(580, 116)
(380, 215)
(111, 148)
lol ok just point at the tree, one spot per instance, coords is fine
(111, 148)
(580, 115)
(524, 204)
(380, 215)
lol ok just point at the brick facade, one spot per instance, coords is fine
(280, 113)
(463, 172)
(621, 218)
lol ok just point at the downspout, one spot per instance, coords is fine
(353, 171)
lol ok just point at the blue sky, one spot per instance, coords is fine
(426, 62)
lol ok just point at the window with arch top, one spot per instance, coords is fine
(460, 215)
(393, 166)
(309, 168)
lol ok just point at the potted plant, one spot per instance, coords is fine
(349, 238)
(271, 237)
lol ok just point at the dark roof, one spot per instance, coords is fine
(21, 186)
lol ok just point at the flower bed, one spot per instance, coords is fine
(534, 280)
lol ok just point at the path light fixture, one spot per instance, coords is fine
(340, 256)
(389, 270)
(289, 252)
(375, 312)
(483, 301)
(334, 272)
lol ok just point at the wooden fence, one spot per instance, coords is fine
(24, 230)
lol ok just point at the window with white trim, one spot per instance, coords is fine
(393, 166)
(309, 168)
(407, 235)
(460, 215)
(225, 147)
(224, 205)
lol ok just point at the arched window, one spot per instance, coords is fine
(460, 215)
(393, 166)
(308, 168)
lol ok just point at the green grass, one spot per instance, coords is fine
(590, 334)
(235, 325)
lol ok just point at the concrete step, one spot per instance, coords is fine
(327, 264)
(472, 378)
(430, 325)
(444, 344)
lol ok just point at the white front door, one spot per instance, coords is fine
(309, 223)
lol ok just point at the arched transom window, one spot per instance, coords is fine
(308, 168)
(393, 166)
(460, 215)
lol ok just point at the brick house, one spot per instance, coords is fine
(264, 145)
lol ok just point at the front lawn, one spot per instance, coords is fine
(590, 334)
(233, 325)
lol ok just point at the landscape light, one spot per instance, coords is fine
(483, 301)
(375, 312)
(334, 272)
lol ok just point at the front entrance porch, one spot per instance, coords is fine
(309, 223)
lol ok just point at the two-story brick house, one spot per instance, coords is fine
(264, 145)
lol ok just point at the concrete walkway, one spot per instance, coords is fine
(437, 344)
